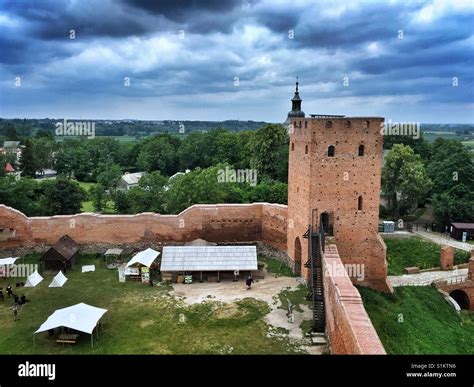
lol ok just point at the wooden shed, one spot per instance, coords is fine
(62, 255)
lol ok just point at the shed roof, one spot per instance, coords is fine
(66, 247)
(209, 258)
(467, 226)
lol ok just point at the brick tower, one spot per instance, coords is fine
(334, 175)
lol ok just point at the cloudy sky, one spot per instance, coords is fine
(224, 59)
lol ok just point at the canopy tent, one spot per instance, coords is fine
(33, 280)
(58, 281)
(112, 258)
(113, 252)
(80, 317)
(88, 268)
(8, 261)
(145, 258)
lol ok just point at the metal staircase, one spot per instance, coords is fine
(315, 264)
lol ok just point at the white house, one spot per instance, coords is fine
(130, 180)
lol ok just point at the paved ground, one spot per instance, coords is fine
(266, 290)
(441, 240)
(425, 278)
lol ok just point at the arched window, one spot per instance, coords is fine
(300, 125)
(292, 146)
(331, 151)
(305, 124)
(328, 124)
(360, 203)
(306, 149)
(367, 123)
(361, 150)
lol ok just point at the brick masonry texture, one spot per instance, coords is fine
(446, 258)
(320, 184)
(348, 326)
(216, 223)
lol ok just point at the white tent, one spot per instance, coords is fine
(80, 317)
(114, 252)
(58, 281)
(88, 268)
(33, 280)
(7, 261)
(145, 257)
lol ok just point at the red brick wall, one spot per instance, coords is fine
(348, 326)
(318, 183)
(446, 259)
(216, 223)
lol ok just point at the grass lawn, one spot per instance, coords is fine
(87, 206)
(414, 251)
(140, 319)
(418, 320)
(277, 268)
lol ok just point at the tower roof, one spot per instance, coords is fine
(296, 104)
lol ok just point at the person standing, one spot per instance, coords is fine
(9, 290)
(15, 311)
(249, 282)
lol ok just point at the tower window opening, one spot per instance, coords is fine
(328, 124)
(360, 204)
(347, 124)
(367, 123)
(292, 146)
(331, 151)
(361, 150)
(306, 124)
(306, 149)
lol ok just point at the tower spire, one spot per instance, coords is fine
(296, 103)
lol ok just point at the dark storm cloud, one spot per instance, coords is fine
(228, 39)
(181, 9)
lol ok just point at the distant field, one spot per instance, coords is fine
(120, 138)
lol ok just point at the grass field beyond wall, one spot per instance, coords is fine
(414, 251)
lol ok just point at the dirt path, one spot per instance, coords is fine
(266, 290)
(440, 240)
(425, 278)
(228, 291)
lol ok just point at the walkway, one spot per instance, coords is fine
(441, 240)
(425, 278)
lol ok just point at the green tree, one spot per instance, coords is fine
(62, 197)
(452, 171)
(159, 153)
(109, 175)
(149, 195)
(23, 195)
(200, 186)
(27, 160)
(404, 180)
(121, 202)
(267, 148)
(99, 197)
